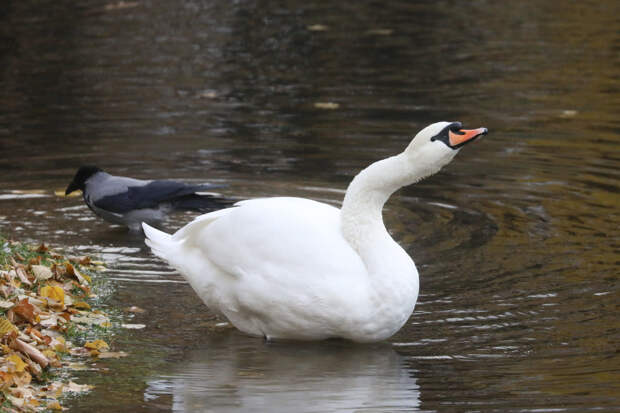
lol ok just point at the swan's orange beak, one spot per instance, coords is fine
(462, 136)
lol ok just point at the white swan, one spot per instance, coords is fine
(295, 268)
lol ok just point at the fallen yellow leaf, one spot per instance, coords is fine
(82, 305)
(97, 345)
(61, 193)
(59, 343)
(55, 293)
(54, 405)
(22, 379)
(18, 362)
(87, 277)
(6, 326)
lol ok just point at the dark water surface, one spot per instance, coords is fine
(517, 241)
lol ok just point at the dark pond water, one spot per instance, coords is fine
(517, 241)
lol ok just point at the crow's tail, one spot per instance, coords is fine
(200, 202)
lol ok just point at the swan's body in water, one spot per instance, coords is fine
(294, 268)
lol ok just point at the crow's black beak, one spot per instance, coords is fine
(72, 187)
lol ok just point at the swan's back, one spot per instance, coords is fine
(298, 236)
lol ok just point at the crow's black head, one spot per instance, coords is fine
(81, 176)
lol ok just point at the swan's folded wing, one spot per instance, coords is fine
(286, 241)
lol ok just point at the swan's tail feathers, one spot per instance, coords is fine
(160, 242)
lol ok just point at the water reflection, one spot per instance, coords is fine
(231, 374)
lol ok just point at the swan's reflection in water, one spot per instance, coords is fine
(248, 375)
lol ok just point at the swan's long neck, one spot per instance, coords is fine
(361, 217)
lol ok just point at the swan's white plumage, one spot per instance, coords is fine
(265, 267)
(300, 269)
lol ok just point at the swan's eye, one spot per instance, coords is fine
(456, 126)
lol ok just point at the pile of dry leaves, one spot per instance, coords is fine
(43, 307)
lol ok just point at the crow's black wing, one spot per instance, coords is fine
(150, 195)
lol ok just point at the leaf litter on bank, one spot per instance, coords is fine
(43, 314)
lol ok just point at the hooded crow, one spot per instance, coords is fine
(129, 201)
